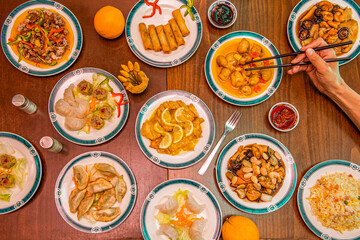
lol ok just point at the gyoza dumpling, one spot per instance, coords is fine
(106, 169)
(192, 205)
(81, 177)
(106, 215)
(99, 186)
(74, 124)
(120, 189)
(85, 205)
(69, 96)
(83, 107)
(76, 196)
(168, 231)
(197, 228)
(64, 109)
(95, 174)
(107, 199)
(169, 207)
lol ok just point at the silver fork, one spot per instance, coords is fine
(229, 126)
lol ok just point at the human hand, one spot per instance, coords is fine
(325, 76)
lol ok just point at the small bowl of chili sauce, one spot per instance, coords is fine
(284, 117)
(222, 14)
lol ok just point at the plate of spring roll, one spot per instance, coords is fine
(163, 40)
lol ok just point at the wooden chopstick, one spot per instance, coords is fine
(300, 52)
(298, 64)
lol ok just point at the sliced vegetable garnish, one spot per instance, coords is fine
(189, 6)
(120, 102)
(20, 50)
(42, 18)
(50, 64)
(155, 6)
(5, 197)
(106, 81)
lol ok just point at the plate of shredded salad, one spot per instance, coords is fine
(20, 171)
(106, 110)
(180, 209)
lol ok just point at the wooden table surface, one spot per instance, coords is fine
(324, 131)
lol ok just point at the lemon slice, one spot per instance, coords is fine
(166, 117)
(166, 141)
(177, 133)
(189, 128)
(180, 115)
(158, 128)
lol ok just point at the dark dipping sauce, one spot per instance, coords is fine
(222, 14)
(283, 117)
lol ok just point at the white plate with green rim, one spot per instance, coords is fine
(65, 184)
(160, 59)
(274, 84)
(31, 69)
(95, 137)
(185, 159)
(286, 190)
(303, 6)
(308, 181)
(202, 195)
(22, 148)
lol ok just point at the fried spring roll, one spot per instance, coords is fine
(154, 38)
(145, 36)
(177, 33)
(170, 37)
(162, 38)
(181, 22)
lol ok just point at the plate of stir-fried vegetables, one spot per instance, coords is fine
(41, 38)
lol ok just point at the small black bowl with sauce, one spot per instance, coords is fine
(222, 14)
(284, 117)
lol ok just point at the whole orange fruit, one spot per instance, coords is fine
(239, 228)
(109, 22)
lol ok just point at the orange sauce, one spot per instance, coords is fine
(69, 38)
(228, 47)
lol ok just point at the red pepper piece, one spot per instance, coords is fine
(55, 30)
(32, 46)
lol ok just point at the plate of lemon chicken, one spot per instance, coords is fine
(175, 129)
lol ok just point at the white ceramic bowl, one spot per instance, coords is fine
(293, 109)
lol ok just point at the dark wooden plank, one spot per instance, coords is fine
(39, 219)
(324, 131)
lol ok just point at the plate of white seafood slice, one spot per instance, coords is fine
(88, 106)
(95, 192)
(180, 209)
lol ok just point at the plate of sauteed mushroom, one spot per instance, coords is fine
(335, 21)
(226, 64)
(88, 106)
(95, 192)
(256, 173)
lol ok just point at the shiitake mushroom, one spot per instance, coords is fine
(304, 34)
(317, 12)
(307, 24)
(335, 8)
(343, 33)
